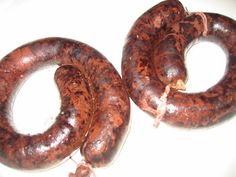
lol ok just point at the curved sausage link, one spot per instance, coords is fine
(153, 68)
(137, 67)
(94, 105)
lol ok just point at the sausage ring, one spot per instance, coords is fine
(153, 65)
(94, 106)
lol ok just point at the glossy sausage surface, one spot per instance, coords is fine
(153, 65)
(94, 105)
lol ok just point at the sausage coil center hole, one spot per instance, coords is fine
(37, 103)
(206, 63)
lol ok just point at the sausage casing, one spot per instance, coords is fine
(94, 105)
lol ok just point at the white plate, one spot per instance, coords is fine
(104, 24)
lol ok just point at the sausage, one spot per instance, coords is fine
(94, 113)
(153, 67)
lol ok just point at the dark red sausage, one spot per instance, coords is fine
(153, 65)
(94, 106)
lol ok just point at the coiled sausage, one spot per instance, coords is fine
(153, 65)
(94, 106)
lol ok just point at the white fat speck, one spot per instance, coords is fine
(72, 121)
(220, 27)
(171, 108)
(26, 60)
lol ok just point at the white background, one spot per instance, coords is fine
(166, 151)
